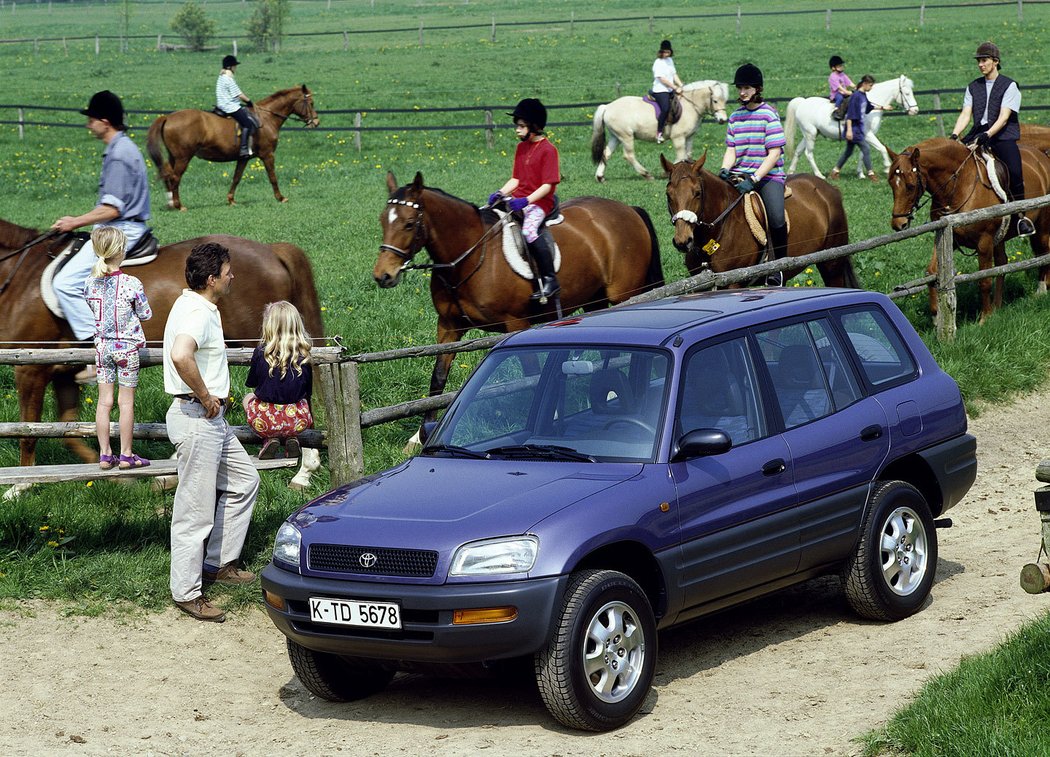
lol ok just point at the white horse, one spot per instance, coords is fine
(813, 115)
(629, 118)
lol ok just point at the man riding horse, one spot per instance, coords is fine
(531, 189)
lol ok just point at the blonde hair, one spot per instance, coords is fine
(284, 339)
(110, 247)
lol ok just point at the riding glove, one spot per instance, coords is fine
(954, 137)
(495, 197)
(723, 174)
(249, 104)
(983, 139)
(745, 186)
(516, 203)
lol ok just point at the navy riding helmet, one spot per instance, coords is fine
(748, 75)
(531, 111)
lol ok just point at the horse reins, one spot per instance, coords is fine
(692, 218)
(286, 116)
(923, 188)
(23, 251)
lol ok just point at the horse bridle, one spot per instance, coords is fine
(283, 117)
(923, 187)
(694, 220)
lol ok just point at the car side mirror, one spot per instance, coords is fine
(702, 442)
(427, 430)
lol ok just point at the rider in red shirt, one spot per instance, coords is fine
(531, 188)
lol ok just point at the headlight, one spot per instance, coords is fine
(495, 556)
(286, 545)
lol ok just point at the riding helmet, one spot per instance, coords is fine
(748, 75)
(531, 111)
(836, 61)
(666, 45)
(230, 61)
(106, 105)
(987, 50)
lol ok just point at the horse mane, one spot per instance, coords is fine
(284, 93)
(487, 215)
(14, 236)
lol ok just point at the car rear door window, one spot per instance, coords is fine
(798, 377)
(880, 351)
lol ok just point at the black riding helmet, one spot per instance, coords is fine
(230, 61)
(748, 75)
(836, 61)
(106, 105)
(531, 111)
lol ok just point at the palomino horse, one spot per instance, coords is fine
(701, 207)
(609, 252)
(264, 273)
(957, 181)
(630, 118)
(813, 115)
(197, 133)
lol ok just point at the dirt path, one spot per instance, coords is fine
(795, 674)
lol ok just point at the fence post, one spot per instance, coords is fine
(21, 124)
(420, 32)
(650, 24)
(937, 110)
(922, 13)
(738, 20)
(343, 413)
(947, 303)
(65, 47)
(1020, 11)
(346, 41)
(618, 89)
(160, 41)
(493, 34)
(827, 21)
(572, 23)
(490, 126)
(235, 48)
(357, 131)
(96, 46)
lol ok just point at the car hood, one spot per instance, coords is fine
(440, 503)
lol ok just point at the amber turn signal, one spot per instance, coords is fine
(484, 615)
(273, 600)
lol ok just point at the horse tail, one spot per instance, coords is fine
(154, 140)
(598, 136)
(789, 125)
(303, 290)
(654, 275)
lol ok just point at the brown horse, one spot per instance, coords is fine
(957, 181)
(189, 133)
(699, 203)
(609, 252)
(263, 273)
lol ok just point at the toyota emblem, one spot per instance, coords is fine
(367, 560)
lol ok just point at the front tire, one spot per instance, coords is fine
(332, 677)
(597, 668)
(891, 572)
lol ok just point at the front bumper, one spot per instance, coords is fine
(427, 633)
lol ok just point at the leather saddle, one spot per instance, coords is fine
(675, 111)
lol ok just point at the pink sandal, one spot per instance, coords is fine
(132, 461)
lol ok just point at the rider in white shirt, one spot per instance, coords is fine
(229, 99)
(665, 82)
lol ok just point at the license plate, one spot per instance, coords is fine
(349, 612)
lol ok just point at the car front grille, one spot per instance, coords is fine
(373, 561)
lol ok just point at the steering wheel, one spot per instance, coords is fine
(632, 422)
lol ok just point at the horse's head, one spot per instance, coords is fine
(404, 232)
(908, 185)
(719, 98)
(304, 108)
(905, 89)
(685, 199)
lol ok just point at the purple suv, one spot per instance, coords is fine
(607, 476)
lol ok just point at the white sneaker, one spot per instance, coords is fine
(659, 137)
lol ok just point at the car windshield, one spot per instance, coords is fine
(562, 404)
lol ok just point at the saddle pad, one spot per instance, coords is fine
(47, 278)
(514, 249)
(992, 167)
(755, 213)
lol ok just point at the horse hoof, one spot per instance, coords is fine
(282, 199)
(182, 208)
(600, 179)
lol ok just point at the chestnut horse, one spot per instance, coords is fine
(957, 181)
(609, 252)
(188, 133)
(700, 202)
(263, 273)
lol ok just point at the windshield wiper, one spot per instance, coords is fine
(453, 451)
(542, 451)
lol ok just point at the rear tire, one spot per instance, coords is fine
(331, 677)
(891, 572)
(597, 668)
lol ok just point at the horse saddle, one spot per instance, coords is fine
(63, 249)
(998, 178)
(755, 213)
(673, 114)
(515, 252)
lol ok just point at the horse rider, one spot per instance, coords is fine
(992, 100)
(665, 82)
(531, 186)
(228, 99)
(755, 150)
(123, 202)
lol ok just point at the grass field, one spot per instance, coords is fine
(336, 192)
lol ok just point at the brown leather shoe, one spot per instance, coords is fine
(834, 175)
(874, 178)
(229, 574)
(202, 609)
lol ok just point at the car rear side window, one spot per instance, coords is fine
(880, 350)
(798, 377)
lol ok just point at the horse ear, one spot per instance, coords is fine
(892, 154)
(417, 183)
(391, 182)
(668, 165)
(915, 156)
(700, 163)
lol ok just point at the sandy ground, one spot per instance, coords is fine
(794, 674)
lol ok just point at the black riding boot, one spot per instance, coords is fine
(1025, 228)
(246, 142)
(547, 285)
(779, 239)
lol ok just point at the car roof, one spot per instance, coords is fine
(654, 323)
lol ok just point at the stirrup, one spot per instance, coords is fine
(1025, 228)
(547, 287)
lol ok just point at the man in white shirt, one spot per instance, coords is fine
(217, 482)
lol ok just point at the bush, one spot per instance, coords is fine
(193, 25)
(266, 26)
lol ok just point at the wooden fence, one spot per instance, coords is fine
(337, 372)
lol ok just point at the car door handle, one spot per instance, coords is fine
(871, 433)
(773, 467)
